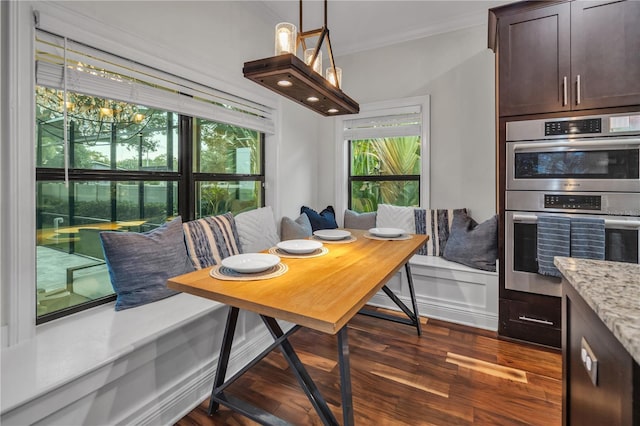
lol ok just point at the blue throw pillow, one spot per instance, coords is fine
(473, 244)
(140, 264)
(326, 219)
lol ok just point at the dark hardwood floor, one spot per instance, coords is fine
(452, 375)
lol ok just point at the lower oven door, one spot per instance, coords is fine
(521, 264)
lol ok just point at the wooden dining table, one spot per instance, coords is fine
(322, 293)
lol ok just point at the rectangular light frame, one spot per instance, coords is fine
(305, 84)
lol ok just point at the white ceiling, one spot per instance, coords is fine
(357, 25)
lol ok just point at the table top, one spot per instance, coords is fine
(322, 293)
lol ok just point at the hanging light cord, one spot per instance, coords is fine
(64, 114)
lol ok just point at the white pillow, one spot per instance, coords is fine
(257, 230)
(396, 217)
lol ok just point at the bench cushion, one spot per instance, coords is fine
(295, 229)
(139, 264)
(436, 223)
(355, 220)
(211, 239)
(257, 229)
(389, 216)
(473, 244)
(326, 219)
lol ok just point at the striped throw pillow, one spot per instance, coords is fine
(436, 223)
(211, 239)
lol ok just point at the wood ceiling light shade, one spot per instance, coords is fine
(305, 84)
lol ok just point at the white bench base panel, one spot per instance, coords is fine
(447, 291)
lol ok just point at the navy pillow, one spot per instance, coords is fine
(473, 244)
(140, 264)
(326, 219)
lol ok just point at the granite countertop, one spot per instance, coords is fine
(612, 290)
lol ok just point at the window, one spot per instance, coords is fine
(105, 164)
(228, 168)
(386, 157)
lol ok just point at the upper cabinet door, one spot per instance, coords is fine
(534, 61)
(605, 53)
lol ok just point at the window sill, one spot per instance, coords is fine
(67, 349)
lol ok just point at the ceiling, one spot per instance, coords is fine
(357, 25)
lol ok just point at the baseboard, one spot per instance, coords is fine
(177, 401)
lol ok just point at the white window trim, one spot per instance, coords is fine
(17, 176)
(375, 109)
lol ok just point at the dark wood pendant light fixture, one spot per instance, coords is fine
(289, 76)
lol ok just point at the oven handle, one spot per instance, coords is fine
(575, 144)
(609, 223)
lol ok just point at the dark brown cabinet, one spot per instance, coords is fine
(568, 56)
(600, 379)
(534, 60)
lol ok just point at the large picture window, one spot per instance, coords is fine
(121, 170)
(124, 147)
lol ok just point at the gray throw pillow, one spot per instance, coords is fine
(355, 220)
(140, 264)
(295, 229)
(473, 244)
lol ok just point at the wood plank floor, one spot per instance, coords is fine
(452, 375)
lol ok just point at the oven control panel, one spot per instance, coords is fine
(573, 127)
(577, 202)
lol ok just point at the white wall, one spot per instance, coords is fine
(457, 70)
(216, 38)
(298, 160)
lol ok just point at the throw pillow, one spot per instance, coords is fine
(257, 230)
(295, 229)
(211, 239)
(139, 264)
(473, 244)
(436, 223)
(326, 219)
(355, 220)
(396, 217)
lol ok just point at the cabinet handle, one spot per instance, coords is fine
(578, 90)
(537, 321)
(564, 90)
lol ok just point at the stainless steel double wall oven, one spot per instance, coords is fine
(584, 166)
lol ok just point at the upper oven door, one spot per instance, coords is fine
(610, 164)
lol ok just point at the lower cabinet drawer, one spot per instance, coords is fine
(531, 322)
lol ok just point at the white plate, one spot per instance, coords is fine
(387, 232)
(332, 234)
(299, 246)
(251, 262)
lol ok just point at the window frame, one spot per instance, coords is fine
(379, 109)
(185, 176)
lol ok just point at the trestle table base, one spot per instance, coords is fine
(281, 340)
(413, 318)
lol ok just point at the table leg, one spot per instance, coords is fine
(412, 292)
(345, 377)
(223, 359)
(413, 317)
(302, 375)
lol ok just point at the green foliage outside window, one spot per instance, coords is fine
(380, 157)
